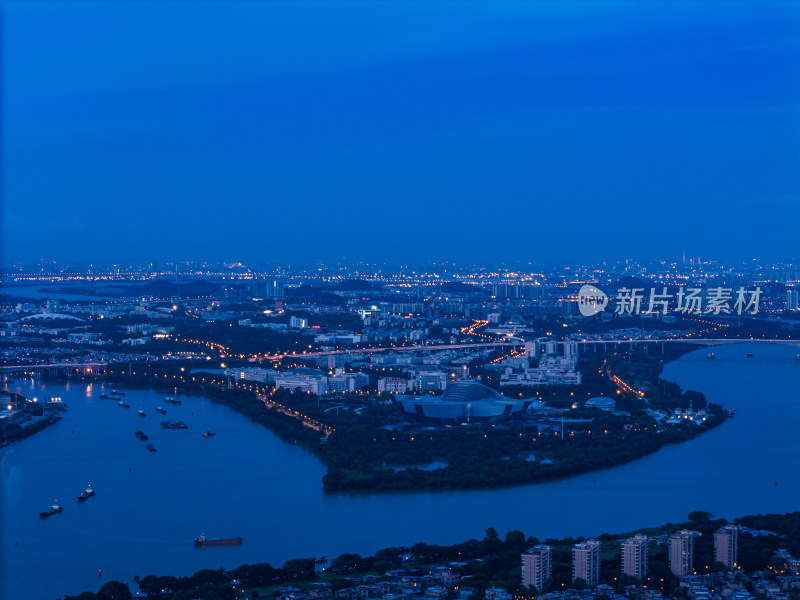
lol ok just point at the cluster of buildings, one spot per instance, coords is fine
(63, 324)
(681, 549)
(423, 380)
(382, 308)
(781, 584)
(552, 366)
(445, 583)
(401, 584)
(537, 563)
(304, 379)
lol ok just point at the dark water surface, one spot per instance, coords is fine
(247, 482)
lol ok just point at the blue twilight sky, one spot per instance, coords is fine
(261, 130)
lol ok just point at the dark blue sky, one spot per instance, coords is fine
(551, 131)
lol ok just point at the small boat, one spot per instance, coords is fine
(123, 404)
(749, 355)
(56, 508)
(116, 393)
(141, 413)
(161, 410)
(86, 494)
(151, 448)
(174, 425)
(208, 433)
(202, 541)
(103, 397)
(171, 400)
(140, 435)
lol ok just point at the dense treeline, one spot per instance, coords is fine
(491, 561)
(360, 457)
(243, 340)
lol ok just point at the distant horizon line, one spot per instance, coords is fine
(260, 264)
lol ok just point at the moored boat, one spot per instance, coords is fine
(56, 508)
(103, 397)
(123, 404)
(162, 410)
(151, 448)
(86, 494)
(141, 413)
(140, 435)
(171, 400)
(208, 433)
(202, 541)
(174, 425)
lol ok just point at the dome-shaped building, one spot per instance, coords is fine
(462, 402)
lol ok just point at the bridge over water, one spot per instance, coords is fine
(89, 368)
(53, 369)
(585, 344)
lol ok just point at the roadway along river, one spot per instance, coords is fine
(246, 482)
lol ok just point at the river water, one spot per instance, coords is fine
(247, 482)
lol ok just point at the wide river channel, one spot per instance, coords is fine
(245, 481)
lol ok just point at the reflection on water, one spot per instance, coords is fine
(245, 481)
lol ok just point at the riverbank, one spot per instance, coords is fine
(29, 429)
(490, 562)
(246, 481)
(362, 452)
(21, 428)
(363, 446)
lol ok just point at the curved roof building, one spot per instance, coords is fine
(462, 402)
(602, 403)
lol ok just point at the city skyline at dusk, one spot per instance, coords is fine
(400, 300)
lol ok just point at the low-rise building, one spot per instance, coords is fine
(389, 385)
